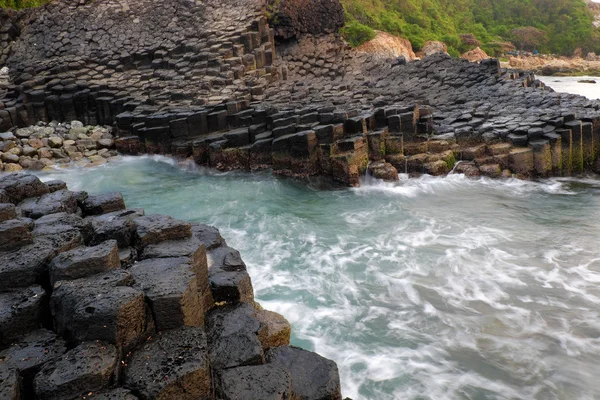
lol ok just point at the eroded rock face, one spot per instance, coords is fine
(291, 18)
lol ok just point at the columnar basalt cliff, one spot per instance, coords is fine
(103, 302)
(208, 80)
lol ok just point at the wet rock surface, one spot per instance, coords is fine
(147, 328)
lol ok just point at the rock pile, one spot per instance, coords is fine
(104, 302)
(45, 145)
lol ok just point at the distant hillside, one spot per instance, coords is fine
(552, 26)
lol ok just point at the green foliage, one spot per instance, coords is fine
(567, 24)
(356, 33)
(19, 4)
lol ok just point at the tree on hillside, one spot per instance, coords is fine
(529, 38)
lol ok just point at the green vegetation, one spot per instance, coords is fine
(19, 4)
(356, 33)
(549, 26)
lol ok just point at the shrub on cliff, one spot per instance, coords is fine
(19, 4)
(356, 33)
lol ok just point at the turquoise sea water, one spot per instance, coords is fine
(431, 288)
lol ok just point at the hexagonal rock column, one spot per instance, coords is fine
(29, 353)
(20, 312)
(171, 289)
(101, 307)
(266, 382)
(227, 276)
(171, 365)
(85, 261)
(233, 336)
(313, 376)
(87, 368)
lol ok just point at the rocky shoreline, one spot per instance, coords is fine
(220, 85)
(103, 302)
(54, 144)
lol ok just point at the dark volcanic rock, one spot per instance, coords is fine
(208, 235)
(50, 203)
(87, 368)
(153, 229)
(21, 311)
(171, 365)
(265, 382)
(31, 351)
(14, 233)
(313, 377)
(85, 261)
(7, 211)
(102, 204)
(171, 287)
(18, 187)
(275, 329)
(10, 383)
(119, 225)
(115, 394)
(233, 336)
(101, 307)
(290, 18)
(62, 232)
(24, 267)
(227, 276)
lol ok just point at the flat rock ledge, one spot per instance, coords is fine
(98, 301)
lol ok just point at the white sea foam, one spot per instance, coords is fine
(429, 288)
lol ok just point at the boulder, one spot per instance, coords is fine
(56, 185)
(15, 233)
(291, 18)
(82, 262)
(475, 55)
(18, 187)
(50, 203)
(102, 204)
(171, 288)
(433, 47)
(21, 311)
(387, 46)
(313, 377)
(265, 382)
(87, 368)
(172, 365)
(233, 336)
(101, 307)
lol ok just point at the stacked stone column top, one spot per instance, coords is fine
(100, 301)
